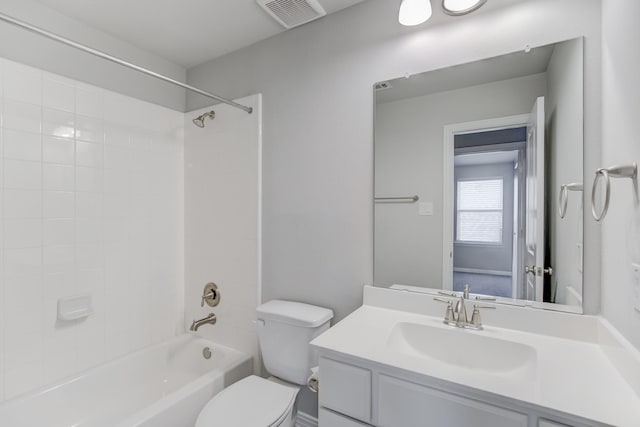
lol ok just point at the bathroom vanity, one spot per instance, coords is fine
(394, 363)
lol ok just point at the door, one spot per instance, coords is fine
(534, 236)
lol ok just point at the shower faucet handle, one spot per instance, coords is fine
(210, 295)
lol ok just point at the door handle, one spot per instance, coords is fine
(538, 271)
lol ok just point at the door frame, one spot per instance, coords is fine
(450, 131)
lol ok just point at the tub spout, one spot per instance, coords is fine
(211, 318)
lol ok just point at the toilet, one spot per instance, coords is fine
(285, 329)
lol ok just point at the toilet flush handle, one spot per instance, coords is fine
(259, 323)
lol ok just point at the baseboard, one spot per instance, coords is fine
(305, 420)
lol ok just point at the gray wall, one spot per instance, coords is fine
(489, 257)
(318, 127)
(31, 49)
(620, 113)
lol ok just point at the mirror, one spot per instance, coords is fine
(478, 178)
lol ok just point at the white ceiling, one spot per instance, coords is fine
(187, 32)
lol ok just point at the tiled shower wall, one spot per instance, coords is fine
(91, 202)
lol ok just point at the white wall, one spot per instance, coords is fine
(620, 113)
(564, 128)
(222, 222)
(91, 203)
(316, 81)
(409, 160)
(31, 49)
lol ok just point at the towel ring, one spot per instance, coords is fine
(626, 171)
(563, 198)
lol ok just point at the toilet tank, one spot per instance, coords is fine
(285, 329)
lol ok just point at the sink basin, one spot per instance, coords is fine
(461, 348)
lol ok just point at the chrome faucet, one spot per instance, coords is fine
(460, 312)
(458, 316)
(211, 319)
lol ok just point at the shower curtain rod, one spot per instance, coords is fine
(100, 54)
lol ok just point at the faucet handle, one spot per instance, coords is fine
(449, 318)
(448, 294)
(466, 291)
(210, 295)
(483, 298)
(476, 321)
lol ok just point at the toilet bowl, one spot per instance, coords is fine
(285, 329)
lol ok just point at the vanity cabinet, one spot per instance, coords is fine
(403, 403)
(358, 393)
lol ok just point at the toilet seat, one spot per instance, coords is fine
(251, 402)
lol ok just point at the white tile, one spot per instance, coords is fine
(89, 154)
(22, 204)
(90, 281)
(22, 83)
(22, 145)
(22, 116)
(58, 204)
(88, 230)
(58, 177)
(58, 123)
(117, 158)
(88, 205)
(89, 129)
(58, 259)
(117, 205)
(116, 135)
(24, 175)
(22, 276)
(57, 284)
(89, 256)
(22, 233)
(58, 150)
(58, 93)
(115, 230)
(89, 101)
(88, 179)
(58, 232)
(117, 181)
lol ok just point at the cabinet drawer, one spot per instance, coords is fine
(345, 388)
(402, 403)
(327, 418)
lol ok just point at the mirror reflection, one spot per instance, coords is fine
(478, 177)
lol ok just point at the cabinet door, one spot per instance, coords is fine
(327, 418)
(402, 403)
(345, 388)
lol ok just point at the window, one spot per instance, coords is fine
(479, 211)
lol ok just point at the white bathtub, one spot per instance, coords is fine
(165, 385)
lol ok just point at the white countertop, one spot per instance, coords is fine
(573, 376)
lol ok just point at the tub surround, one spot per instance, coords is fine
(575, 362)
(91, 186)
(222, 221)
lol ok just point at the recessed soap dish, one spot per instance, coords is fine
(75, 307)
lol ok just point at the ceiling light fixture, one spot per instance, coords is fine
(414, 12)
(461, 7)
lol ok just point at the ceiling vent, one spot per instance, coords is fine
(382, 86)
(291, 13)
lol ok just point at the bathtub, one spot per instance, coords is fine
(164, 385)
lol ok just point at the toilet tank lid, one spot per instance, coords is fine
(294, 313)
